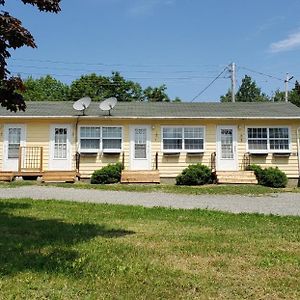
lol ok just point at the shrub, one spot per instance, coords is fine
(259, 173)
(194, 175)
(109, 174)
(272, 177)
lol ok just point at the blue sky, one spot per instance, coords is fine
(181, 43)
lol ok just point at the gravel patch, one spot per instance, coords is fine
(283, 204)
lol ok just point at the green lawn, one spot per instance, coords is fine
(212, 189)
(60, 250)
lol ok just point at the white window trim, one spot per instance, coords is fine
(94, 138)
(5, 138)
(183, 150)
(100, 150)
(268, 150)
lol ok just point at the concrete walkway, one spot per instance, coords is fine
(279, 204)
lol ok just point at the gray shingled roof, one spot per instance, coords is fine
(280, 110)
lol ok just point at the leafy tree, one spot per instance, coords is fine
(101, 87)
(157, 94)
(248, 92)
(227, 97)
(294, 95)
(45, 88)
(12, 36)
(177, 99)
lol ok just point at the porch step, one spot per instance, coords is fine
(236, 177)
(59, 176)
(140, 177)
(6, 176)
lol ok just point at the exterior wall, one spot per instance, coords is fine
(38, 134)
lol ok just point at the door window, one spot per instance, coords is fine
(140, 143)
(227, 143)
(14, 140)
(60, 142)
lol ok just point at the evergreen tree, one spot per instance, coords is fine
(248, 92)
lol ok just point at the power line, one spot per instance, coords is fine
(39, 67)
(263, 74)
(109, 65)
(130, 78)
(226, 68)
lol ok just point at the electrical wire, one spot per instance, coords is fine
(211, 83)
(261, 73)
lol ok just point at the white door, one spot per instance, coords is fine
(140, 145)
(60, 147)
(227, 158)
(14, 138)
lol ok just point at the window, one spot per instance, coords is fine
(95, 138)
(140, 143)
(257, 139)
(273, 139)
(193, 138)
(14, 139)
(279, 138)
(176, 139)
(112, 138)
(172, 138)
(90, 138)
(60, 143)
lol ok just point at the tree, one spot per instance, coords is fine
(101, 87)
(294, 95)
(248, 92)
(12, 36)
(177, 99)
(157, 94)
(45, 88)
(227, 97)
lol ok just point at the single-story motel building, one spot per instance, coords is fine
(52, 139)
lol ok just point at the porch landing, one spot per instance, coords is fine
(46, 176)
(236, 177)
(140, 176)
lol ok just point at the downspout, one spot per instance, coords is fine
(77, 154)
(298, 154)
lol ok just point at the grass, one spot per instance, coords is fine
(238, 189)
(60, 250)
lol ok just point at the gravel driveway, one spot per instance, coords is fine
(279, 204)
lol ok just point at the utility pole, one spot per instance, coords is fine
(233, 80)
(287, 80)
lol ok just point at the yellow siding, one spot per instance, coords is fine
(38, 134)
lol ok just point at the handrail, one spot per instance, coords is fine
(156, 161)
(246, 161)
(213, 161)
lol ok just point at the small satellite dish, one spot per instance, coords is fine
(82, 104)
(108, 104)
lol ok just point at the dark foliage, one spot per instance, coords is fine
(109, 174)
(194, 175)
(12, 36)
(272, 177)
(258, 171)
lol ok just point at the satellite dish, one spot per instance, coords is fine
(108, 104)
(82, 104)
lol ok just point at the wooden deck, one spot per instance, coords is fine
(46, 176)
(140, 177)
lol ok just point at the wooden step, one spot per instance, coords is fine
(6, 176)
(140, 177)
(59, 176)
(236, 177)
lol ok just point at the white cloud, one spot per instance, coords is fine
(290, 43)
(143, 7)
